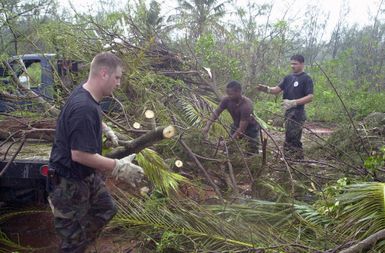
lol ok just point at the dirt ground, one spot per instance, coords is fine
(31, 230)
(37, 232)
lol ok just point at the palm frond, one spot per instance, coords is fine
(157, 171)
(261, 122)
(294, 221)
(193, 227)
(9, 246)
(198, 109)
(193, 116)
(362, 210)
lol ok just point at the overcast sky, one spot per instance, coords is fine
(360, 13)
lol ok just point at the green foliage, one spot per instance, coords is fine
(281, 25)
(376, 161)
(148, 20)
(199, 16)
(12, 246)
(196, 112)
(211, 53)
(295, 221)
(362, 210)
(327, 203)
(20, 20)
(68, 41)
(26, 114)
(248, 51)
(364, 102)
(357, 95)
(157, 171)
(186, 226)
(268, 109)
(34, 74)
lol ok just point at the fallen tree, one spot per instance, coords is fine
(138, 144)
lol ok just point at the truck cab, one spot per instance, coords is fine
(36, 72)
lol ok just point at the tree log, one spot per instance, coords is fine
(138, 144)
(366, 243)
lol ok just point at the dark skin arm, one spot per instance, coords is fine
(241, 129)
(211, 120)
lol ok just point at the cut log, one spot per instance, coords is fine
(367, 243)
(146, 140)
(150, 119)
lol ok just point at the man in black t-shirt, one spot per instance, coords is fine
(297, 91)
(241, 111)
(79, 199)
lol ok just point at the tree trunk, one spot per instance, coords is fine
(138, 144)
(366, 243)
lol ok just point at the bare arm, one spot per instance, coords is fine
(304, 100)
(212, 118)
(267, 89)
(275, 90)
(241, 129)
(94, 161)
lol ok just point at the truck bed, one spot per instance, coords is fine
(32, 150)
(22, 182)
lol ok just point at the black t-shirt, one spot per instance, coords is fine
(79, 127)
(239, 111)
(295, 86)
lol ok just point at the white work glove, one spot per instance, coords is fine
(287, 104)
(126, 171)
(111, 136)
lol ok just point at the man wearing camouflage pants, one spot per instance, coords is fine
(79, 199)
(297, 91)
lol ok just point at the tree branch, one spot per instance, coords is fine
(367, 243)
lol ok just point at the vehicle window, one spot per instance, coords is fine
(34, 74)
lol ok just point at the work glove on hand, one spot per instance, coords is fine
(287, 104)
(126, 171)
(111, 136)
(263, 88)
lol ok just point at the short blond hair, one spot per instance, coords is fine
(107, 60)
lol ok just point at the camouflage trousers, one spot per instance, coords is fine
(81, 208)
(294, 120)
